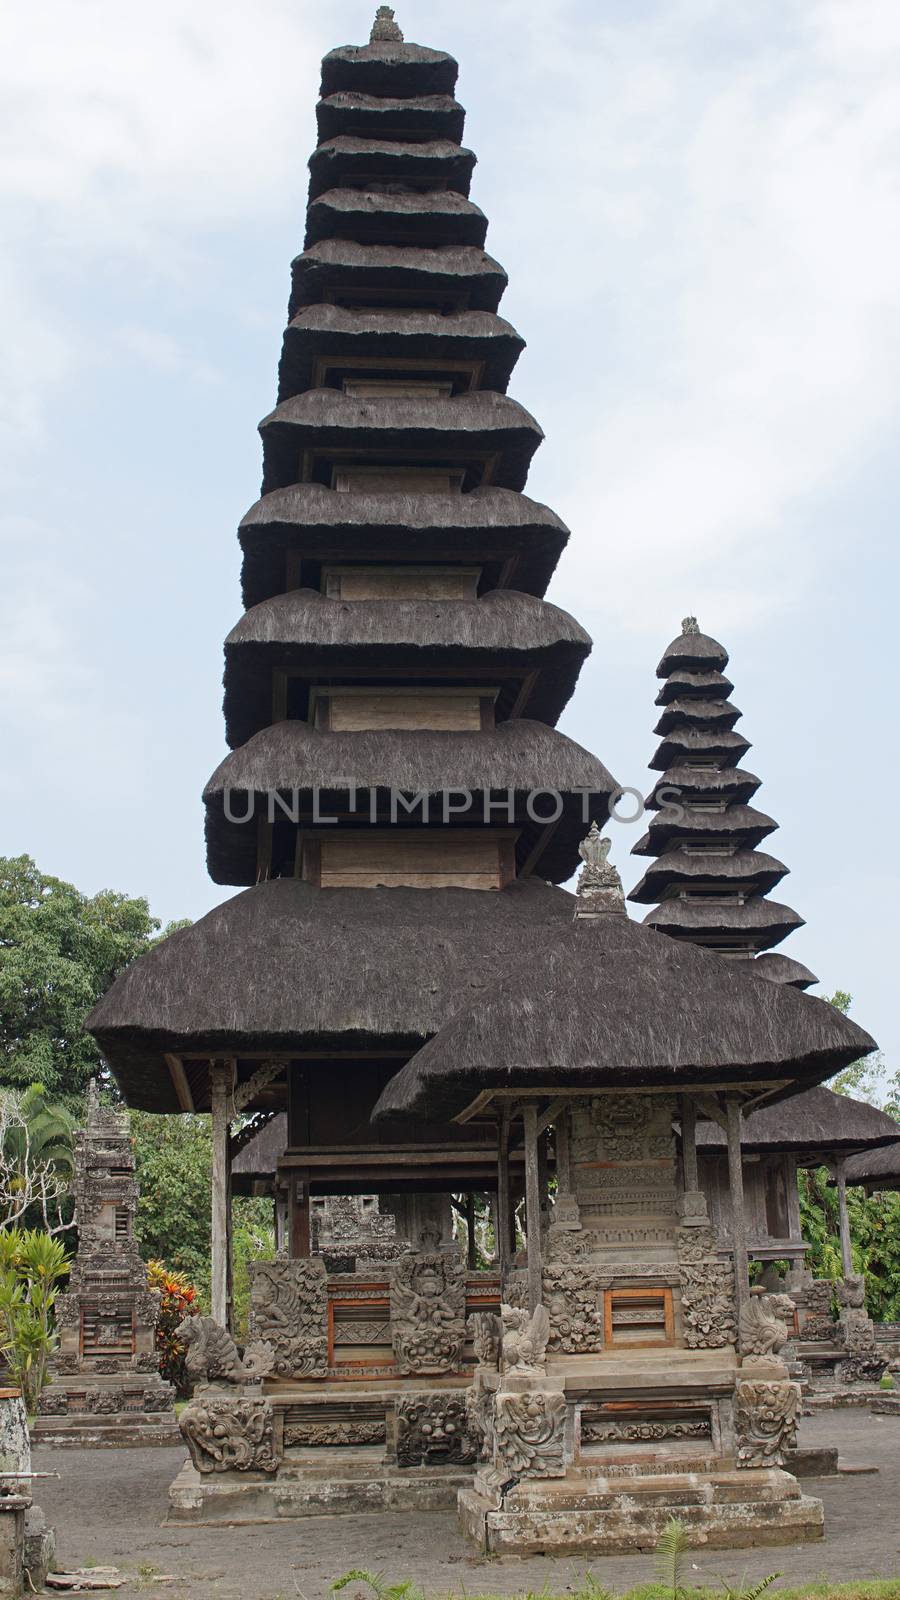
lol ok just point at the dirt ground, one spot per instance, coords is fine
(108, 1507)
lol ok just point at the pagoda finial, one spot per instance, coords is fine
(384, 28)
(599, 887)
(690, 625)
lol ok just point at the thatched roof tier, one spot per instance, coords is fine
(322, 342)
(685, 743)
(449, 276)
(695, 652)
(514, 540)
(431, 116)
(876, 1170)
(520, 758)
(813, 1125)
(705, 685)
(403, 216)
(730, 784)
(784, 969)
(759, 922)
(740, 825)
(740, 869)
(609, 1004)
(688, 711)
(490, 434)
(288, 967)
(389, 69)
(530, 650)
(349, 162)
(260, 1153)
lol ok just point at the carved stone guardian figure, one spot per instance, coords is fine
(765, 1420)
(289, 1310)
(428, 1307)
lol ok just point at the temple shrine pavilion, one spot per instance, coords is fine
(402, 987)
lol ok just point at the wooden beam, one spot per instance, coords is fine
(840, 1179)
(539, 846)
(221, 1081)
(180, 1083)
(300, 1231)
(504, 1209)
(734, 1128)
(689, 1143)
(532, 1207)
(551, 1114)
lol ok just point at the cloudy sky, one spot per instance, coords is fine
(698, 203)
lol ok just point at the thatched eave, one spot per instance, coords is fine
(714, 783)
(876, 1170)
(763, 921)
(699, 711)
(609, 1003)
(717, 744)
(401, 216)
(346, 160)
(464, 274)
(742, 824)
(510, 538)
(706, 685)
(432, 116)
(784, 969)
(388, 68)
(693, 652)
(742, 868)
(815, 1125)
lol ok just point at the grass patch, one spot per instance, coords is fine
(359, 1584)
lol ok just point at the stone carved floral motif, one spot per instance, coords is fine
(289, 1310)
(211, 1354)
(574, 1304)
(433, 1430)
(230, 1435)
(479, 1417)
(708, 1310)
(593, 1432)
(529, 1433)
(765, 1324)
(428, 1312)
(765, 1420)
(633, 1127)
(333, 1433)
(817, 1298)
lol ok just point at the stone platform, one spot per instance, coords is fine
(584, 1513)
(340, 1482)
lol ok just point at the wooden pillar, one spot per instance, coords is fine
(471, 1250)
(229, 1240)
(735, 1128)
(221, 1082)
(840, 1178)
(299, 1218)
(690, 1171)
(504, 1209)
(561, 1129)
(532, 1207)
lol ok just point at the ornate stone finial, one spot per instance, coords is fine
(384, 28)
(599, 887)
(689, 625)
(92, 1104)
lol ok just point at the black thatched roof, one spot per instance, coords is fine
(465, 275)
(741, 825)
(784, 969)
(681, 684)
(403, 216)
(330, 338)
(388, 68)
(764, 922)
(750, 868)
(433, 163)
(877, 1169)
(731, 784)
(708, 743)
(813, 1124)
(608, 1003)
(287, 967)
(687, 710)
(693, 652)
(520, 756)
(259, 1156)
(432, 116)
(531, 648)
(466, 429)
(513, 540)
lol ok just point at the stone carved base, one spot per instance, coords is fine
(765, 1420)
(89, 1410)
(528, 1426)
(230, 1433)
(428, 1312)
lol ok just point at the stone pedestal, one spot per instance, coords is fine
(26, 1543)
(105, 1386)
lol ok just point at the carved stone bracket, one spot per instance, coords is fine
(428, 1307)
(708, 1311)
(289, 1310)
(529, 1432)
(434, 1429)
(230, 1435)
(765, 1420)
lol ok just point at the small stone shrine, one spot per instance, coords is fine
(106, 1387)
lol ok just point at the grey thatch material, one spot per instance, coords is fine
(465, 275)
(260, 1155)
(693, 652)
(680, 685)
(730, 784)
(434, 217)
(433, 116)
(752, 868)
(878, 1169)
(510, 537)
(287, 967)
(388, 69)
(741, 825)
(784, 969)
(763, 922)
(609, 1003)
(687, 710)
(449, 430)
(510, 635)
(329, 334)
(708, 743)
(815, 1124)
(436, 163)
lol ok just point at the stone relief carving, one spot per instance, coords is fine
(428, 1307)
(289, 1310)
(479, 1417)
(524, 1345)
(574, 1305)
(851, 1291)
(599, 886)
(225, 1434)
(333, 1433)
(816, 1299)
(486, 1332)
(707, 1289)
(211, 1354)
(433, 1430)
(765, 1420)
(633, 1127)
(529, 1433)
(594, 1432)
(765, 1324)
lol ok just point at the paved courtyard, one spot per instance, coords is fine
(109, 1504)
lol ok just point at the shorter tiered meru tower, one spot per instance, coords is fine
(709, 881)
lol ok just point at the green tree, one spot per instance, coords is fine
(173, 1160)
(59, 952)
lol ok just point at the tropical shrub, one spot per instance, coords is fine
(178, 1299)
(32, 1264)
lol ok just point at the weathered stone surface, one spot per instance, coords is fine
(529, 1432)
(428, 1312)
(289, 1311)
(765, 1420)
(227, 1433)
(707, 1289)
(433, 1429)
